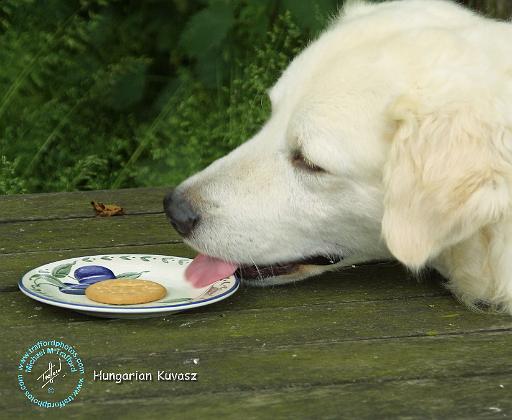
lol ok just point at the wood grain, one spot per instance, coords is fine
(370, 341)
(51, 206)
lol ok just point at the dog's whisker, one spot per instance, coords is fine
(260, 276)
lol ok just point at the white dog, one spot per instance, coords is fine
(391, 135)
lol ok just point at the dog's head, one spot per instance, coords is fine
(369, 151)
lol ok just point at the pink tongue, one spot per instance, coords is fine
(205, 270)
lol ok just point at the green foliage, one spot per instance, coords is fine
(9, 182)
(109, 93)
(501, 9)
(117, 93)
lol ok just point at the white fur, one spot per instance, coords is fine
(408, 107)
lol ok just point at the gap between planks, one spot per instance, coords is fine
(320, 343)
(92, 216)
(170, 242)
(149, 399)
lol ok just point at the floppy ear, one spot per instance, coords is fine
(447, 176)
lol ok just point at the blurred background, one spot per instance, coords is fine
(98, 94)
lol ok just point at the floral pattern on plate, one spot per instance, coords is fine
(63, 283)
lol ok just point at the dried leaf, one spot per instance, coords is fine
(107, 210)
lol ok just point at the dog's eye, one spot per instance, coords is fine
(299, 161)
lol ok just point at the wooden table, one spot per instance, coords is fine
(368, 342)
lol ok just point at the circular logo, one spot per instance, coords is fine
(51, 373)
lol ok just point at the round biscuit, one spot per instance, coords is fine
(125, 291)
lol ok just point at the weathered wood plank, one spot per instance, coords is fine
(368, 340)
(380, 281)
(212, 327)
(86, 233)
(364, 282)
(458, 397)
(331, 288)
(299, 365)
(77, 204)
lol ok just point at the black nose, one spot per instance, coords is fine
(181, 214)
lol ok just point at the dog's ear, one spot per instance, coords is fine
(446, 176)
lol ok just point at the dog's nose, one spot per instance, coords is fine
(180, 212)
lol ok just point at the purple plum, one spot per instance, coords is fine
(74, 289)
(90, 274)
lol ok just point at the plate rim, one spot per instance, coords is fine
(111, 309)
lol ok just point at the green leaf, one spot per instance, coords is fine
(207, 28)
(128, 87)
(211, 67)
(310, 14)
(63, 270)
(54, 281)
(130, 275)
(50, 279)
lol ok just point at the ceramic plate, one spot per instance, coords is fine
(63, 284)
